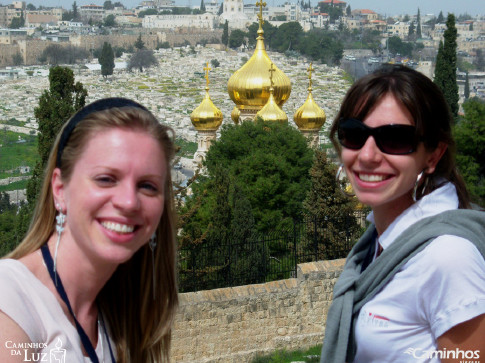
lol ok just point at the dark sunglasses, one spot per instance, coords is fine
(390, 139)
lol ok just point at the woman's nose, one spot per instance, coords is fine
(126, 198)
(370, 152)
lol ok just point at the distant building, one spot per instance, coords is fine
(233, 12)
(203, 21)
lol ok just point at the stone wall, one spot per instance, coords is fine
(235, 324)
(32, 49)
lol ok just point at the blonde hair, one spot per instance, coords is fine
(139, 317)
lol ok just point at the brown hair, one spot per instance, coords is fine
(139, 318)
(426, 104)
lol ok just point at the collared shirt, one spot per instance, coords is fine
(440, 287)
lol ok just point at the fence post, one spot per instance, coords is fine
(315, 238)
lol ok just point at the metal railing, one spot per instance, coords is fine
(222, 261)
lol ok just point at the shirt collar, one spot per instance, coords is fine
(440, 200)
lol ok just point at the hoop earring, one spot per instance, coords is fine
(152, 243)
(60, 220)
(341, 174)
(416, 184)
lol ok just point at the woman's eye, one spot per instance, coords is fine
(150, 187)
(105, 180)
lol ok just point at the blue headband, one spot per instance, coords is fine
(100, 105)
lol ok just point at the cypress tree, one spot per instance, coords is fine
(56, 106)
(107, 60)
(418, 28)
(467, 86)
(326, 202)
(202, 6)
(445, 71)
(225, 34)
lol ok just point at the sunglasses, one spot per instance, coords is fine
(390, 139)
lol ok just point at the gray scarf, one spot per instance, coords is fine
(355, 288)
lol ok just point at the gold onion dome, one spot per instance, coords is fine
(249, 86)
(309, 116)
(235, 115)
(271, 111)
(206, 117)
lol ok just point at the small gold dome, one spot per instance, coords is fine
(249, 86)
(235, 115)
(309, 116)
(271, 111)
(206, 117)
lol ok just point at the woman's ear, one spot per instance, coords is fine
(57, 186)
(435, 156)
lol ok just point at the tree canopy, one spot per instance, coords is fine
(470, 144)
(143, 58)
(446, 61)
(107, 60)
(269, 163)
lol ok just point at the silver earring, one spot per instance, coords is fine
(152, 243)
(342, 175)
(60, 220)
(416, 184)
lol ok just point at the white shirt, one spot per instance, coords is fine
(29, 303)
(442, 286)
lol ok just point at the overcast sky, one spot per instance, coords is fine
(384, 7)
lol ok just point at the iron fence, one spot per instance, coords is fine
(222, 261)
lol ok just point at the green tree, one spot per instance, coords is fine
(143, 58)
(287, 36)
(269, 162)
(326, 202)
(139, 44)
(418, 27)
(17, 22)
(470, 145)
(225, 34)
(396, 45)
(411, 32)
(202, 7)
(56, 106)
(445, 70)
(108, 5)
(75, 14)
(467, 86)
(107, 60)
(31, 7)
(236, 38)
(109, 21)
(221, 9)
(440, 18)
(146, 12)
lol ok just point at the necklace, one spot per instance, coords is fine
(88, 347)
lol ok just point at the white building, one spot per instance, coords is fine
(233, 12)
(202, 21)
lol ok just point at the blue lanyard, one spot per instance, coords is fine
(88, 347)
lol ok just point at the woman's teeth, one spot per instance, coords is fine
(117, 227)
(371, 177)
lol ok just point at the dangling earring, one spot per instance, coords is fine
(341, 172)
(416, 184)
(152, 243)
(60, 219)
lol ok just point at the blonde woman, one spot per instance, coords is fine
(94, 279)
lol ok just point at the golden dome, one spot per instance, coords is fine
(206, 117)
(309, 116)
(249, 86)
(271, 111)
(235, 115)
